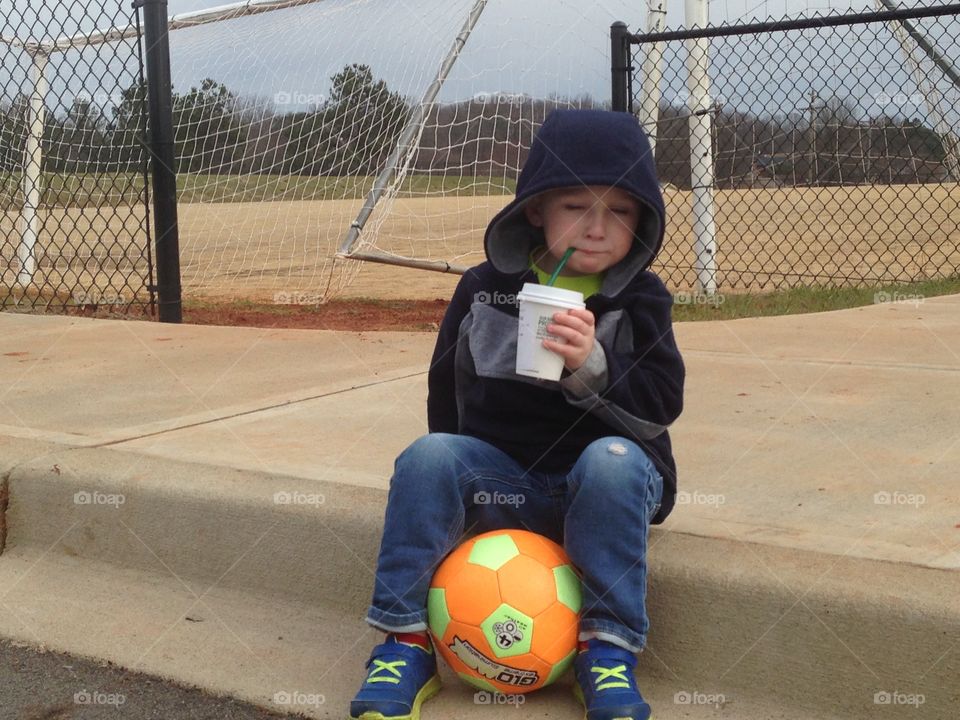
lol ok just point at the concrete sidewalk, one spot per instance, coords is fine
(810, 564)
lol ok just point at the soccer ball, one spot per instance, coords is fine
(503, 610)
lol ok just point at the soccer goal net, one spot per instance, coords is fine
(308, 132)
(351, 128)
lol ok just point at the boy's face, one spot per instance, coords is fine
(597, 221)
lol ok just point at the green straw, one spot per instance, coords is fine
(563, 261)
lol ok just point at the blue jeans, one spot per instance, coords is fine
(446, 486)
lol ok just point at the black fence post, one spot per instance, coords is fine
(163, 159)
(620, 66)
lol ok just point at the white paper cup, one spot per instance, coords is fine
(538, 303)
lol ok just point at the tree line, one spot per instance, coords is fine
(353, 130)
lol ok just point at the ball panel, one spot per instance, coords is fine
(493, 549)
(569, 591)
(438, 617)
(459, 644)
(535, 670)
(526, 583)
(465, 649)
(472, 593)
(540, 548)
(448, 566)
(560, 668)
(508, 631)
(555, 633)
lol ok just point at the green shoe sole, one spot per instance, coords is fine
(431, 688)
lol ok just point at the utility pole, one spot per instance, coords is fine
(163, 152)
(812, 171)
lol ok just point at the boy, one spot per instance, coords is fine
(590, 453)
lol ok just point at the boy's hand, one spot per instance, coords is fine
(577, 328)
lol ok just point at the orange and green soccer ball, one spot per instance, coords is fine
(503, 610)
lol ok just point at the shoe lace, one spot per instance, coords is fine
(390, 667)
(616, 672)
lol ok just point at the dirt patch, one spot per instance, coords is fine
(256, 251)
(357, 315)
(350, 314)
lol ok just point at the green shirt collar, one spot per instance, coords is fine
(586, 284)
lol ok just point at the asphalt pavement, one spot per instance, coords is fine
(45, 685)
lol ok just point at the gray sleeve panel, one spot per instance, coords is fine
(614, 330)
(463, 366)
(490, 349)
(590, 378)
(616, 417)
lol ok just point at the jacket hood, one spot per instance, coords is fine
(575, 148)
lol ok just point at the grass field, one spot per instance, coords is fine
(87, 191)
(253, 250)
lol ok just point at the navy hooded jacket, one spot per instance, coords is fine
(631, 384)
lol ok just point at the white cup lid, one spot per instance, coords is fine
(533, 292)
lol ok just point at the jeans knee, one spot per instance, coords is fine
(613, 464)
(427, 447)
(428, 460)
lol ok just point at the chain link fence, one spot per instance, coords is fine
(824, 151)
(74, 207)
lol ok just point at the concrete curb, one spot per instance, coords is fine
(257, 532)
(722, 610)
(288, 657)
(12, 454)
(820, 632)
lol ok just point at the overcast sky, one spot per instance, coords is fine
(536, 47)
(531, 46)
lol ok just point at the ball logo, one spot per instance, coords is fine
(507, 634)
(490, 668)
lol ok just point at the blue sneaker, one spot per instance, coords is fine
(401, 677)
(606, 685)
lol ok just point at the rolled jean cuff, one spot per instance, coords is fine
(611, 632)
(390, 622)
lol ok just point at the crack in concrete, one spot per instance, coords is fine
(275, 406)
